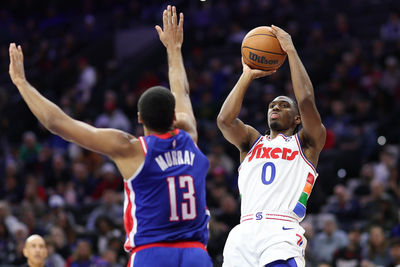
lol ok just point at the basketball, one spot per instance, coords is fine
(261, 49)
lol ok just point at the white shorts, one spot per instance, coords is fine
(257, 243)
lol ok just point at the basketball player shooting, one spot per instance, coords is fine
(164, 172)
(277, 170)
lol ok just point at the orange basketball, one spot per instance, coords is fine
(262, 50)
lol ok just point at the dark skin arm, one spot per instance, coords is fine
(234, 130)
(313, 133)
(171, 35)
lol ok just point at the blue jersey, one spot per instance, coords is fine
(165, 200)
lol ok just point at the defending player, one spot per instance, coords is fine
(277, 171)
(164, 172)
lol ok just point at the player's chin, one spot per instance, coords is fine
(274, 124)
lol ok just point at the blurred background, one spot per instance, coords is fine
(95, 58)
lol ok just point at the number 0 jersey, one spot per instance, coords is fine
(165, 200)
(275, 177)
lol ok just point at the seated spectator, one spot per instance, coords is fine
(381, 209)
(109, 180)
(6, 244)
(54, 259)
(83, 256)
(110, 207)
(329, 240)
(377, 250)
(29, 151)
(349, 256)
(113, 117)
(394, 252)
(390, 31)
(344, 206)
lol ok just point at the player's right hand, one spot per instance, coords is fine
(16, 69)
(254, 73)
(171, 35)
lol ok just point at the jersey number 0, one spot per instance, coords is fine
(264, 173)
(188, 205)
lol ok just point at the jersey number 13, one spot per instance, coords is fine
(188, 203)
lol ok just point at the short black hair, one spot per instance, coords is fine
(157, 108)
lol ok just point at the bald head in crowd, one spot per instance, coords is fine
(35, 251)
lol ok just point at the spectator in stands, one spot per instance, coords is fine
(377, 250)
(83, 256)
(344, 206)
(29, 151)
(53, 259)
(110, 206)
(105, 231)
(394, 252)
(380, 209)
(349, 256)
(112, 117)
(6, 244)
(390, 31)
(86, 81)
(329, 240)
(108, 180)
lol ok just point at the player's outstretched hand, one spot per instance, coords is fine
(284, 38)
(16, 69)
(171, 35)
(254, 73)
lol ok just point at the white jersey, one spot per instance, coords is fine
(275, 178)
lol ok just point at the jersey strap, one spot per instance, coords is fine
(143, 144)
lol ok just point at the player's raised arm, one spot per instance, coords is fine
(110, 142)
(234, 130)
(171, 35)
(313, 133)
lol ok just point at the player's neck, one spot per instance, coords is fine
(274, 134)
(151, 132)
(31, 264)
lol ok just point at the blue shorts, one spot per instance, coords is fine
(282, 263)
(177, 254)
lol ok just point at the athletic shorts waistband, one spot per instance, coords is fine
(179, 244)
(264, 215)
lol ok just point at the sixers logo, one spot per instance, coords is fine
(259, 151)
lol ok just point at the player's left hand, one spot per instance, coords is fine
(284, 38)
(16, 69)
(171, 35)
(254, 73)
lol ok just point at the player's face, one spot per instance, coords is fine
(281, 114)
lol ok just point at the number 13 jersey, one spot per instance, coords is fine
(165, 200)
(275, 177)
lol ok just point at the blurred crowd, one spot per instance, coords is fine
(73, 197)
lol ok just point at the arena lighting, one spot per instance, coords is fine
(202, 0)
(341, 173)
(381, 140)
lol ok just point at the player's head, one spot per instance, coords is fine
(283, 114)
(156, 109)
(35, 251)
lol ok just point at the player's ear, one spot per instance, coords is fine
(25, 252)
(139, 118)
(297, 119)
